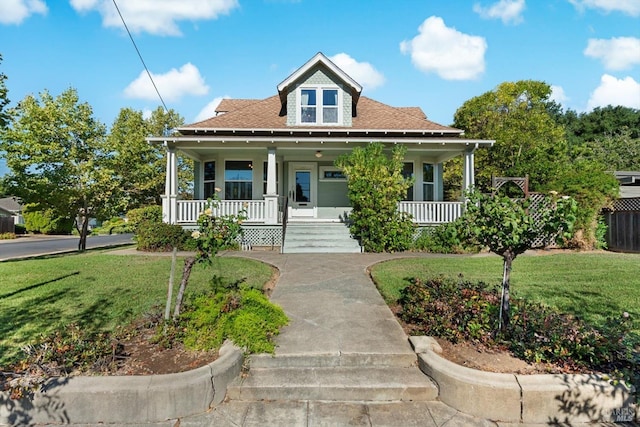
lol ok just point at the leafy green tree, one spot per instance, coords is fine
(508, 227)
(141, 167)
(4, 100)
(58, 157)
(164, 122)
(518, 115)
(375, 186)
(619, 151)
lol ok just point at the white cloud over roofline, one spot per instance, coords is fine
(618, 53)
(16, 11)
(614, 91)
(209, 110)
(509, 11)
(362, 72)
(172, 85)
(450, 54)
(159, 17)
(629, 7)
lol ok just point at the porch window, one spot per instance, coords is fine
(264, 178)
(407, 172)
(209, 179)
(238, 180)
(319, 106)
(427, 182)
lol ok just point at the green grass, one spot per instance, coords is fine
(592, 286)
(97, 291)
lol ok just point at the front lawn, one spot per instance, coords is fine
(592, 286)
(97, 291)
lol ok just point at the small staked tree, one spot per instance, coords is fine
(375, 186)
(57, 155)
(508, 227)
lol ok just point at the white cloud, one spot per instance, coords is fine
(509, 11)
(618, 53)
(630, 7)
(445, 51)
(558, 95)
(209, 110)
(16, 11)
(613, 91)
(362, 72)
(158, 17)
(172, 85)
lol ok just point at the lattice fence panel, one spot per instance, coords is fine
(627, 204)
(539, 202)
(261, 236)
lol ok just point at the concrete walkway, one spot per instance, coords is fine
(342, 360)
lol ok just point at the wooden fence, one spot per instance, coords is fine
(7, 224)
(623, 226)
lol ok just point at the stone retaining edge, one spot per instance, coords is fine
(535, 399)
(127, 399)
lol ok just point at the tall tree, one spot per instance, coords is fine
(519, 116)
(4, 100)
(58, 157)
(139, 166)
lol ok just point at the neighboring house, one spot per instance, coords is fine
(265, 154)
(9, 206)
(629, 184)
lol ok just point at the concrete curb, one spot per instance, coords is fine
(127, 399)
(535, 399)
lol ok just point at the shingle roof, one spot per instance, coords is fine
(10, 204)
(268, 114)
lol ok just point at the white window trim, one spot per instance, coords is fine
(319, 106)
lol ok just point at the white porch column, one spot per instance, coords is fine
(271, 198)
(170, 198)
(468, 179)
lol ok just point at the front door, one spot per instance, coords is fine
(303, 187)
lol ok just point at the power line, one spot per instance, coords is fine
(140, 56)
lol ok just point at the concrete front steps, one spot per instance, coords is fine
(361, 379)
(308, 237)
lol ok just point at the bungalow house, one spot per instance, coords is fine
(274, 157)
(10, 207)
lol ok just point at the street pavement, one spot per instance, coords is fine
(34, 246)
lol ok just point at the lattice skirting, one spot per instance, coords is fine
(262, 235)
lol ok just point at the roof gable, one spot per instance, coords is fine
(317, 60)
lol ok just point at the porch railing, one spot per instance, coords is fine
(432, 212)
(422, 212)
(189, 210)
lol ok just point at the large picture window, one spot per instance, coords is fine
(427, 182)
(238, 180)
(319, 106)
(209, 179)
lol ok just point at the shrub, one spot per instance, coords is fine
(7, 236)
(45, 221)
(458, 310)
(160, 237)
(115, 225)
(445, 238)
(137, 216)
(375, 185)
(245, 316)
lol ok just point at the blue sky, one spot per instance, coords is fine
(428, 53)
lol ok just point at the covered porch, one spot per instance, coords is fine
(299, 182)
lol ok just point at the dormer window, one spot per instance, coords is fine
(319, 106)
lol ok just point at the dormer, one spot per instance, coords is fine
(319, 94)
